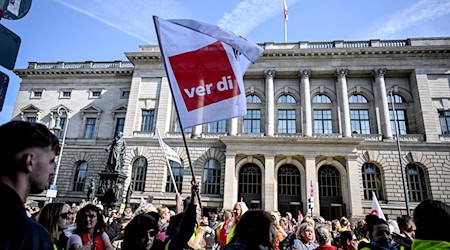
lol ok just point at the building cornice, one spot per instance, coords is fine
(77, 68)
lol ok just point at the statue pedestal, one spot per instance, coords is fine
(110, 190)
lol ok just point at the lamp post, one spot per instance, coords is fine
(57, 127)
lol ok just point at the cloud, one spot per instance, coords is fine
(423, 10)
(249, 14)
(133, 18)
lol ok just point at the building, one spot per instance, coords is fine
(320, 119)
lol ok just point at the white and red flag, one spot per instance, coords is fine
(376, 209)
(286, 12)
(205, 66)
(168, 151)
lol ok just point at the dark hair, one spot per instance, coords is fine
(344, 237)
(19, 136)
(427, 215)
(99, 227)
(404, 222)
(254, 229)
(48, 218)
(373, 220)
(138, 227)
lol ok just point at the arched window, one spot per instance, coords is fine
(250, 179)
(416, 183)
(329, 182)
(286, 99)
(80, 176)
(178, 172)
(211, 177)
(322, 114)
(139, 173)
(371, 176)
(359, 114)
(400, 112)
(288, 181)
(321, 99)
(252, 120)
(253, 99)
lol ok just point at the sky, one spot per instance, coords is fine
(99, 30)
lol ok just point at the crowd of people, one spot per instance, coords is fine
(28, 164)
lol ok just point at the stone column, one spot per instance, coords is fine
(342, 95)
(233, 126)
(196, 131)
(230, 192)
(311, 177)
(270, 103)
(305, 97)
(270, 197)
(354, 187)
(381, 102)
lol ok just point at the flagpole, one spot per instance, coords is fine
(167, 161)
(400, 155)
(285, 31)
(193, 181)
(286, 16)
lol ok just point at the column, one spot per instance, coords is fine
(233, 126)
(305, 97)
(342, 95)
(270, 103)
(354, 188)
(381, 102)
(270, 197)
(196, 131)
(311, 177)
(230, 195)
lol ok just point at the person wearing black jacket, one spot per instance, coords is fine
(28, 151)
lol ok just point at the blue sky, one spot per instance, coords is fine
(99, 30)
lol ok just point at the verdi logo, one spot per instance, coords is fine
(204, 76)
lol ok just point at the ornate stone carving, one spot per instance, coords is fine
(378, 72)
(341, 72)
(304, 73)
(269, 73)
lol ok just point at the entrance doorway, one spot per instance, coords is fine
(331, 206)
(289, 191)
(250, 185)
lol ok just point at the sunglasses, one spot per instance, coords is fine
(152, 233)
(65, 215)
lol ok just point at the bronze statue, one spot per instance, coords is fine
(116, 153)
(91, 190)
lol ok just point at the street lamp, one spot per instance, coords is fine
(57, 127)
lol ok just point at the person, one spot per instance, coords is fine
(164, 218)
(28, 152)
(379, 234)
(117, 152)
(91, 190)
(55, 217)
(140, 232)
(239, 209)
(427, 216)
(407, 226)
(305, 235)
(280, 234)
(225, 227)
(348, 240)
(89, 233)
(323, 237)
(255, 230)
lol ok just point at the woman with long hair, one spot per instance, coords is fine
(140, 232)
(55, 217)
(89, 233)
(305, 237)
(239, 210)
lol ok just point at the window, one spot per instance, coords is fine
(139, 173)
(218, 127)
(395, 99)
(401, 122)
(321, 99)
(178, 172)
(95, 93)
(253, 99)
(178, 129)
(360, 121)
(322, 121)
(80, 176)
(37, 94)
(329, 182)
(357, 99)
(250, 179)
(148, 117)
(371, 176)
(31, 118)
(286, 121)
(125, 94)
(286, 99)
(211, 177)
(62, 125)
(444, 118)
(89, 129)
(416, 183)
(252, 121)
(120, 123)
(289, 180)
(66, 93)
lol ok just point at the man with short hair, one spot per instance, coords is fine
(27, 154)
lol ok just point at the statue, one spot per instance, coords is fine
(91, 190)
(129, 193)
(117, 153)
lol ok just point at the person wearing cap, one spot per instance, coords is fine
(28, 155)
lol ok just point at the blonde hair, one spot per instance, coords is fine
(303, 227)
(48, 218)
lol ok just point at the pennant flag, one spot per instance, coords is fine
(205, 66)
(142, 202)
(166, 150)
(286, 12)
(311, 191)
(299, 217)
(376, 209)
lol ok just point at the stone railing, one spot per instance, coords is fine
(411, 137)
(368, 137)
(394, 43)
(335, 135)
(294, 135)
(357, 44)
(445, 138)
(212, 135)
(80, 65)
(143, 134)
(320, 45)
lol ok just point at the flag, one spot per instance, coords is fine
(376, 209)
(286, 12)
(166, 150)
(205, 66)
(299, 217)
(311, 191)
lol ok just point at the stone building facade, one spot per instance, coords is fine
(320, 121)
